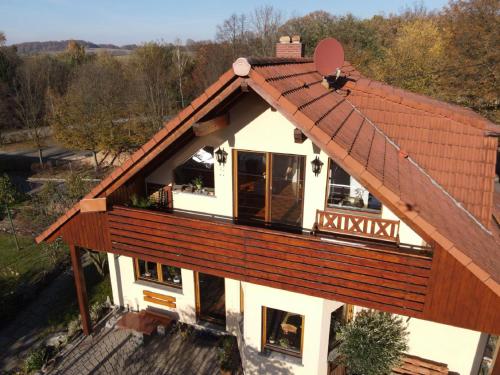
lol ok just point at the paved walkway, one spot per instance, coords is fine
(114, 351)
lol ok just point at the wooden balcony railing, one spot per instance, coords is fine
(357, 225)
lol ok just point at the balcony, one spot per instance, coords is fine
(368, 274)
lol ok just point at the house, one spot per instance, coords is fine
(284, 202)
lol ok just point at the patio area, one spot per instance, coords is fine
(118, 351)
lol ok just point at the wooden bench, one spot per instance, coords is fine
(159, 299)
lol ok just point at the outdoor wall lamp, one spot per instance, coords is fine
(221, 156)
(316, 166)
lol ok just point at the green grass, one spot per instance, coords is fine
(66, 309)
(26, 266)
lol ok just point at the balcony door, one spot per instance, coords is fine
(269, 189)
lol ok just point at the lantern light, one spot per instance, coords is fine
(221, 156)
(316, 166)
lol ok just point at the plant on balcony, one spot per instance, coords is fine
(373, 343)
(140, 202)
(198, 183)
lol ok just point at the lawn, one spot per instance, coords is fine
(23, 271)
(29, 264)
(66, 310)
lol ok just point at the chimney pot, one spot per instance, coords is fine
(284, 39)
(286, 48)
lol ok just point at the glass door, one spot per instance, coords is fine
(269, 189)
(251, 186)
(287, 190)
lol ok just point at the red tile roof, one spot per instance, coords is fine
(336, 124)
(333, 121)
(447, 141)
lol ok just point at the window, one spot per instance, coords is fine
(197, 173)
(345, 192)
(158, 273)
(282, 331)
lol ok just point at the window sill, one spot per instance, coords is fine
(347, 209)
(163, 287)
(192, 193)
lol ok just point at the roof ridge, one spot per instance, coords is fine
(262, 60)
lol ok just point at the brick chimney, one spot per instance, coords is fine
(289, 47)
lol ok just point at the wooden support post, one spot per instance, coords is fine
(81, 290)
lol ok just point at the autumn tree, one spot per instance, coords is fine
(415, 59)
(472, 71)
(93, 114)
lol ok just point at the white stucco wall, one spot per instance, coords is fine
(254, 126)
(457, 347)
(316, 312)
(406, 234)
(128, 292)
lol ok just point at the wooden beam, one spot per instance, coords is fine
(207, 127)
(93, 205)
(81, 290)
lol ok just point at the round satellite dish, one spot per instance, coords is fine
(328, 56)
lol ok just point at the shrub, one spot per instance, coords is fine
(374, 343)
(228, 354)
(35, 359)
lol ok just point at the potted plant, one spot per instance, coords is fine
(198, 184)
(373, 343)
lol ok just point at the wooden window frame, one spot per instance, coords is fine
(276, 348)
(159, 272)
(347, 209)
(268, 172)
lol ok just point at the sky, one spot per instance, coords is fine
(128, 21)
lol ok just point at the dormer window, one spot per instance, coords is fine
(196, 175)
(345, 192)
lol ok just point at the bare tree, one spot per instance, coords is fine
(32, 83)
(266, 21)
(234, 31)
(181, 60)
